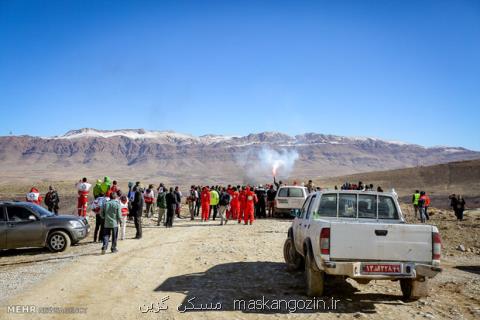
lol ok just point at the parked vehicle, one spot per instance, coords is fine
(289, 198)
(361, 235)
(23, 224)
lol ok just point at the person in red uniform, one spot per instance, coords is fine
(113, 188)
(241, 201)
(234, 204)
(34, 196)
(83, 188)
(205, 203)
(250, 200)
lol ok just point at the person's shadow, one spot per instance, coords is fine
(236, 285)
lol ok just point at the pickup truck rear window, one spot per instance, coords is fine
(327, 207)
(347, 206)
(367, 206)
(386, 208)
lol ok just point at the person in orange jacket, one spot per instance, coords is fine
(250, 201)
(205, 196)
(241, 200)
(34, 196)
(234, 204)
(426, 203)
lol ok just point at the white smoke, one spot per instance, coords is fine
(260, 164)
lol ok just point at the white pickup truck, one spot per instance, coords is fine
(361, 235)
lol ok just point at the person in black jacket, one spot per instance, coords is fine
(52, 200)
(261, 204)
(271, 193)
(137, 210)
(171, 199)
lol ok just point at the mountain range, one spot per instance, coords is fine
(182, 158)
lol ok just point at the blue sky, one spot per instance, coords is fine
(400, 70)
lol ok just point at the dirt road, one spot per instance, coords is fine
(213, 264)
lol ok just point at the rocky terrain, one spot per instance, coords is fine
(181, 158)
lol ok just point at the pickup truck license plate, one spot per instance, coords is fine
(381, 268)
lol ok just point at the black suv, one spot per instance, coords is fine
(23, 224)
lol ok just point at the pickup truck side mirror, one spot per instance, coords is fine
(295, 212)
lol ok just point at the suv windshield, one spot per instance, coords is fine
(42, 212)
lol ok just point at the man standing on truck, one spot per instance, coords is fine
(415, 198)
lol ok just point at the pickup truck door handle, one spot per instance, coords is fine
(381, 232)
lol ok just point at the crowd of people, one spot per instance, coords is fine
(112, 207)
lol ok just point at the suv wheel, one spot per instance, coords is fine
(292, 258)
(58, 241)
(314, 279)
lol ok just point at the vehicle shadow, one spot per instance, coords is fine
(231, 283)
(472, 269)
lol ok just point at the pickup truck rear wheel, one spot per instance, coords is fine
(292, 258)
(58, 241)
(315, 279)
(414, 289)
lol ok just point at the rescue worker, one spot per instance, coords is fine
(52, 200)
(123, 199)
(161, 204)
(214, 199)
(415, 198)
(205, 203)
(34, 196)
(229, 209)
(149, 197)
(250, 200)
(83, 188)
(241, 199)
(97, 189)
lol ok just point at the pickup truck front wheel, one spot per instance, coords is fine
(414, 289)
(292, 258)
(315, 279)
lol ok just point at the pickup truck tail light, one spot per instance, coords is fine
(436, 246)
(325, 241)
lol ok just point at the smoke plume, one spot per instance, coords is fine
(261, 164)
